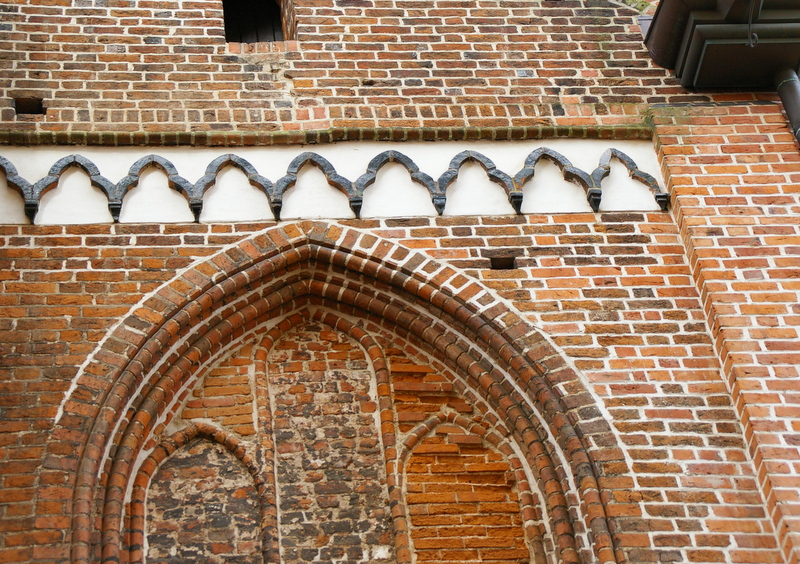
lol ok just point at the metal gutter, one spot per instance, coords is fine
(731, 44)
(788, 85)
(726, 43)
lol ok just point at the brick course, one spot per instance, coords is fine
(165, 67)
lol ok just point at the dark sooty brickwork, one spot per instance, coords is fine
(202, 507)
(330, 468)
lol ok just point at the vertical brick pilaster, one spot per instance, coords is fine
(733, 171)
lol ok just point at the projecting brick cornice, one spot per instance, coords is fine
(310, 137)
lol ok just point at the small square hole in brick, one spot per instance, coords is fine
(503, 263)
(29, 106)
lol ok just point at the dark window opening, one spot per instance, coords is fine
(29, 106)
(503, 263)
(250, 21)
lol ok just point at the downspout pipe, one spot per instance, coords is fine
(788, 85)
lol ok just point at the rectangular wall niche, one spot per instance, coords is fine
(503, 263)
(29, 106)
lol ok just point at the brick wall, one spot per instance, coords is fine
(614, 293)
(202, 506)
(462, 501)
(226, 395)
(624, 392)
(734, 172)
(165, 67)
(329, 470)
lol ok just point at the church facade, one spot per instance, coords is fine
(366, 281)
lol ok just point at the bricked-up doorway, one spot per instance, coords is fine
(333, 503)
(457, 379)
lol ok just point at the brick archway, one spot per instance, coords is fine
(137, 370)
(396, 450)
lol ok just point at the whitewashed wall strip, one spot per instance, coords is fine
(51, 185)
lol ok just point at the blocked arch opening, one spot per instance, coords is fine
(318, 391)
(478, 498)
(139, 368)
(365, 334)
(136, 514)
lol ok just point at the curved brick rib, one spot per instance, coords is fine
(394, 461)
(382, 280)
(527, 433)
(562, 541)
(554, 411)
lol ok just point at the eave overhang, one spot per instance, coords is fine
(739, 44)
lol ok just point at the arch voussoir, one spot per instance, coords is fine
(165, 342)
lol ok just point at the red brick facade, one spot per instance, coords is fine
(164, 69)
(733, 170)
(664, 447)
(374, 390)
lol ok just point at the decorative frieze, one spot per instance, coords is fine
(352, 185)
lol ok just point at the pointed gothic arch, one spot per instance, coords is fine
(136, 372)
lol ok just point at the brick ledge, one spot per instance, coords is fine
(246, 139)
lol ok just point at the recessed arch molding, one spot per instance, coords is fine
(107, 420)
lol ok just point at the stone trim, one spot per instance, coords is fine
(590, 183)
